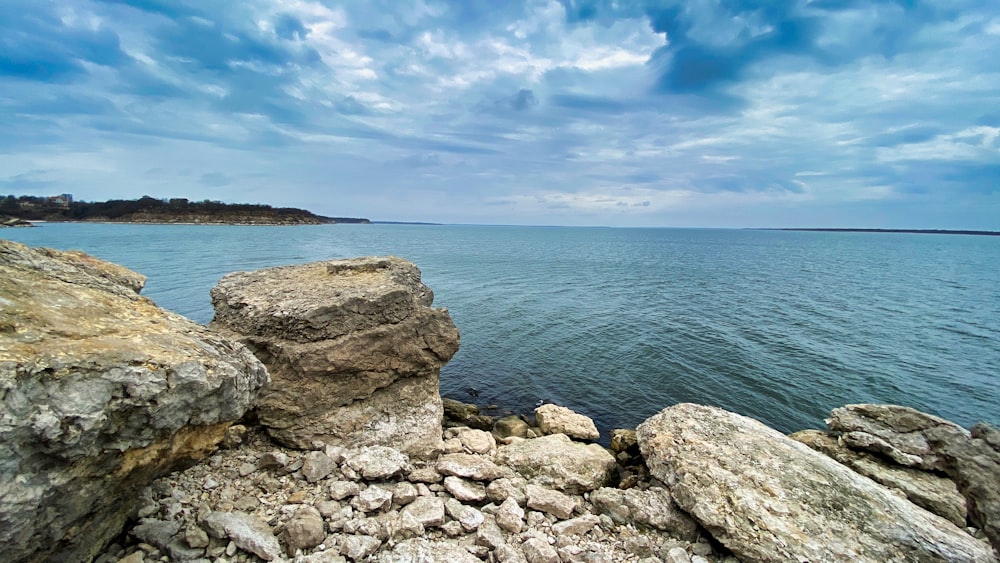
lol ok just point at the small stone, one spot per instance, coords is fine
(316, 466)
(429, 511)
(273, 460)
(234, 437)
(488, 534)
(403, 493)
(510, 426)
(553, 419)
(677, 555)
(510, 516)
(249, 533)
(305, 529)
(339, 490)
(452, 528)
(372, 499)
(246, 469)
(297, 497)
(504, 488)
(464, 490)
(246, 503)
(576, 526)
(537, 550)
(406, 526)
(377, 462)
(179, 550)
(468, 517)
(477, 441)
(550, 501)
(357, 547)
(196, 537)
(452, 446)
(134, 557)
(425, 475)
(328, 508)
(156, 532)
(469, 466)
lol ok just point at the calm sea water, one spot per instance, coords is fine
(620, 323)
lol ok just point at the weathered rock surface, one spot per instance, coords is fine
(554, 419)
(557, 462)
(899, 433)
(100, 393)
(651, 507)
(353, 347)
(769, 498)
(925, 489)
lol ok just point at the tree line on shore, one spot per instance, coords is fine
(64, 208)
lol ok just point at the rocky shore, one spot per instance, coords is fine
(305, 424)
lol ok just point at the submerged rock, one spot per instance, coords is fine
(353, 347)
(100, 393)
(769, 498)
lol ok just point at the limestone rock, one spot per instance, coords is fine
(425, 550)
(100, 393)
(576, 526)
(470, 466)
(376, 462)
(357, 547)
(553, 419)
(510, 426)
(429, 511)
(464, 490)
(891, 430)
(477, 441)
(557, 462)
(652, 507)
(510, 516)
(317, 465)
(247, 532)
(537, 550)
(305, 529)
(353, 347)
(550, 501)
(927, 490)
(769, 498)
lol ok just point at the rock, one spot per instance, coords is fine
(469, 466)
(468, 517)
(557, 462)
(464, 490)
(156, 532)
(101, 392)
(537, 550)
(406, 526)
(304, 530)
(234, 436)
(624, 440)
(769, 498)
(927, 490)
(273, 460)
(372, 499)
(421, 550)
(507, 553)
(316, 466)
(429, 511)
(891, 430)
(179, 550)
(196, 537)
(504, 488)
(578, 526)
(403, 493)
(353, 347)
(457, 412)
(357, 547)
(510, 516)
(553, 419)
(652, 507)
(677, 555)
(339, 490)
(477, 441)
(377, 462)
(550, 501)
(974, 464)
(510, 426)
(247, 532)
(425, 475)
(489, 534)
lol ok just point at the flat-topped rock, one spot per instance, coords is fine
(557, 462)
(554, 419)
(769, 498)
(100, 393)
(353, 347)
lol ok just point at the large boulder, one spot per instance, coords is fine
(925, 489)
(353, 347)
(100, 393)
(769, 498)
(559, 463)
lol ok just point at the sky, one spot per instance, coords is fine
(696, 113)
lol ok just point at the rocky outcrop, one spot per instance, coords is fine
(100, 393)
(553, 419)
(769, 498)
(353, 347)
(927, 490)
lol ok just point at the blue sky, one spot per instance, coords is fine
(737, 113)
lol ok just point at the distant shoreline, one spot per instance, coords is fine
(905, 231)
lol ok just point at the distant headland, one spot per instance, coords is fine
(16, 211)
(908, 231)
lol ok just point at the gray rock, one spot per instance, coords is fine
(305, 529)
(429, 511)
(470, 466)
(316, 466)
(550, 501)
(248, 532)
(405, 526)
(101, 392)
(339, 490)
(421, 550)
(652, 507)
(273, 460)
(464, 490)
(507, 553)
(769, 498)
(553, 419)
(403, 493)
(357, 547)
(488, 534)
(477, 441)
(510, 516)
(510, 426)
(179, 550)
(925, 489)
(157, 532)
(377, 462)
(469, 518)
(891, 430)
(578, 526)
(372, 499)
(354, 349)
(504, 488)
(559, 463)
(196, 537)
(537, 550)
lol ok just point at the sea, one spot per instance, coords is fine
(619, 323)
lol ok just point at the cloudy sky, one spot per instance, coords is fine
(740, 113)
